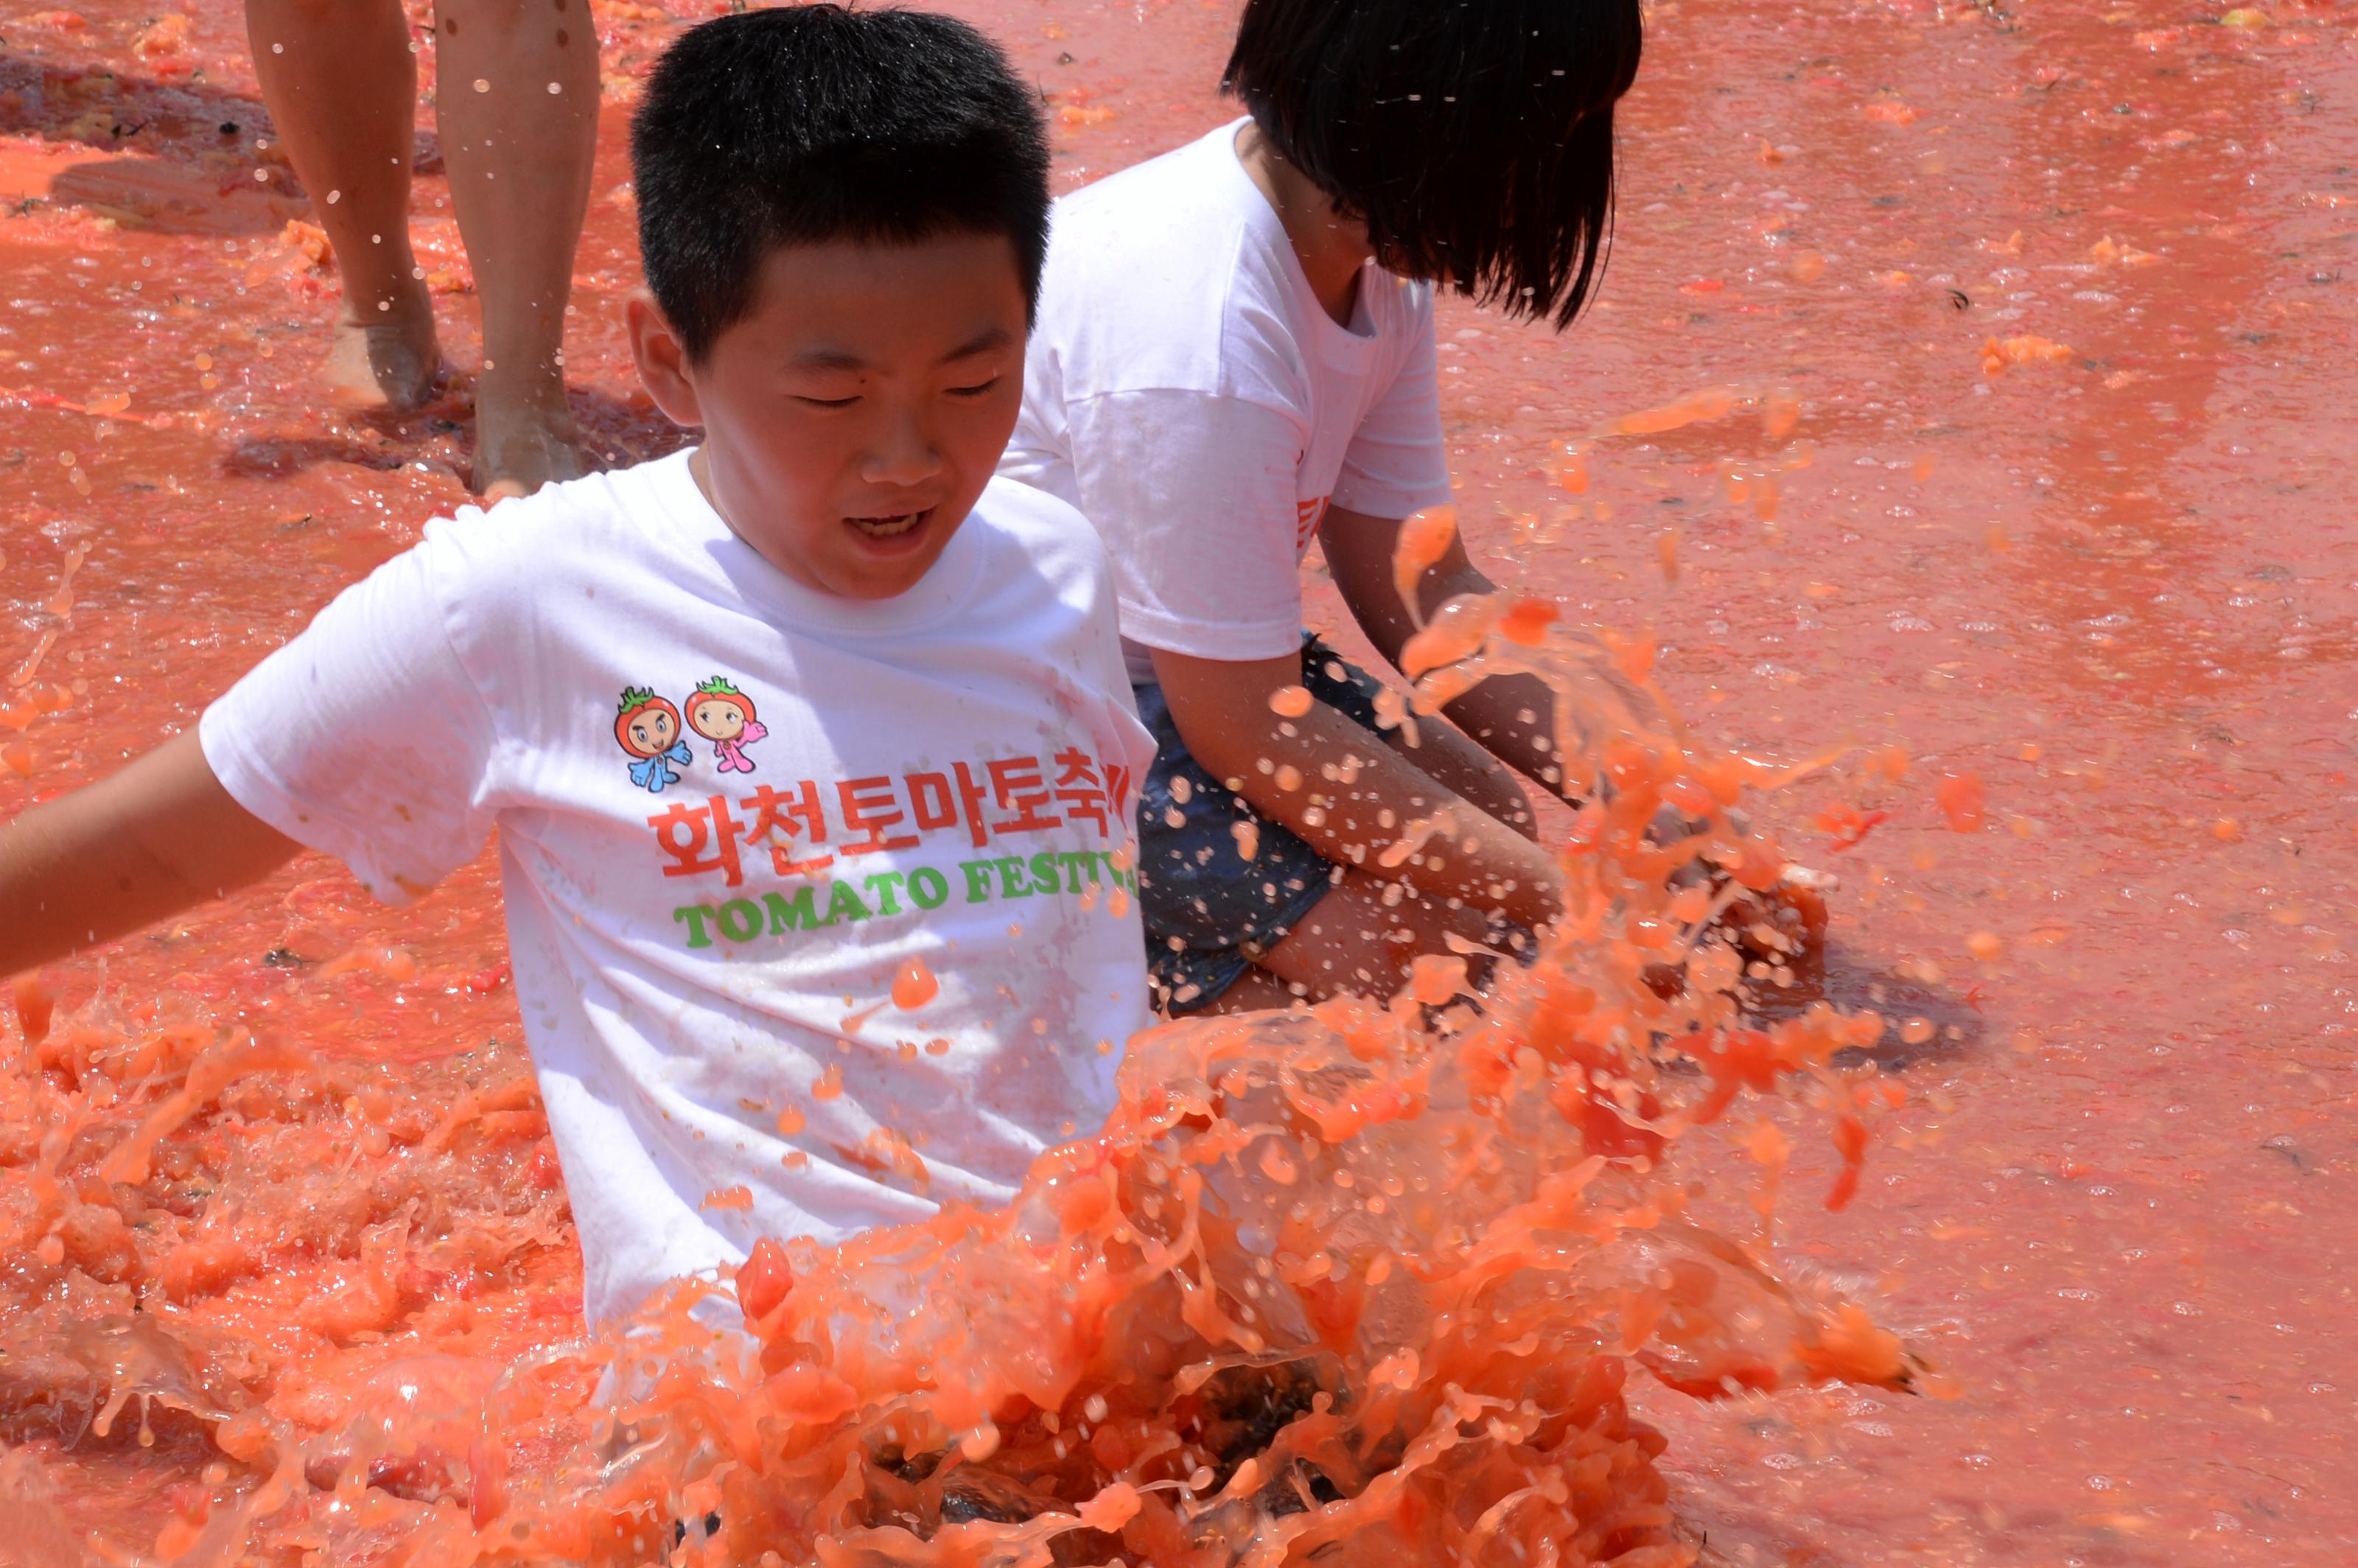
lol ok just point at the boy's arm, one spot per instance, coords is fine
(1345, 792)
(1358, 550)
(131, 849)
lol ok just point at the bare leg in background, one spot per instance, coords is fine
(517, 97)
(342, 85)
(342, 90)
(1352, 941)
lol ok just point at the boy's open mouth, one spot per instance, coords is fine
(894, 527)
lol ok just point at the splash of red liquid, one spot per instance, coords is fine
(1366, 1277)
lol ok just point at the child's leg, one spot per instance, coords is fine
(1442, 750)
(517, 92)
(1362, 936)
(1450, 758)
(1258, 990)
(342, 88)
(1238, 909)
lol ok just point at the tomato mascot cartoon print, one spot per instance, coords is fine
(724, 716)
(648, 729)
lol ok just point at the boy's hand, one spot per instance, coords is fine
(143, 844)
(1347, 794)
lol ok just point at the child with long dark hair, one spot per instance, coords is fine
(1234, 355)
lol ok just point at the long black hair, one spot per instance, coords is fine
(1473, 137)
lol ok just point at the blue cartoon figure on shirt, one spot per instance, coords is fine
(648, 728)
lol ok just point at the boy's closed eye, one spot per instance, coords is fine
(983, 388)
(970, 384)
(976, 369)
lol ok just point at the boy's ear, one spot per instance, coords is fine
(663, 358)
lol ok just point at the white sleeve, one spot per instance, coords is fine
(1396, 464)
(365, 738)
(1195, 496)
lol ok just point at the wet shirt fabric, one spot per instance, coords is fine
(1185, 390)
(730, 811)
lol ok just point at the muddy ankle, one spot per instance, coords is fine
(391, 362)
(524, 438)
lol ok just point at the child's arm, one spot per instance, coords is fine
(1358, 550)
(131, 849)
(1345, 793)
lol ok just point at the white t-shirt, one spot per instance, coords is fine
(1187, 391)
(730, 810)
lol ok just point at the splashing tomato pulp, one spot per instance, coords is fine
(1364, 1275)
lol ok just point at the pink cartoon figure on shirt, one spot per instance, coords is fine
(724, 716)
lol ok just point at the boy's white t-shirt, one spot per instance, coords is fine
(705, 920)
(1185, 390)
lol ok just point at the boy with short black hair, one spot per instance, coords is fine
(808, 749)
(1235, 356)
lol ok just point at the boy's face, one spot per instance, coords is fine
(854, 414)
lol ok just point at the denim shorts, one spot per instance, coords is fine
(1210, 912)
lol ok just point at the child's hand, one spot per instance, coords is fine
(1512, 717)
(1786, 925)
